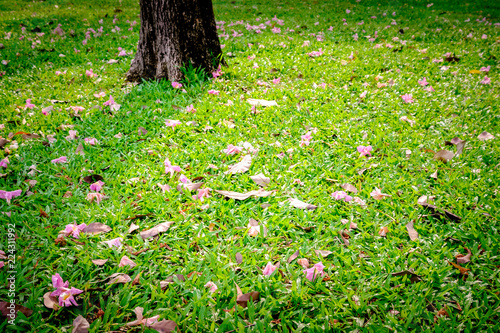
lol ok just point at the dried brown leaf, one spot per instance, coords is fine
(164, 326)
(261, 180)
(119, 278)
(239, 258)
(4, 309)
(243, 300)
(444, 155)
(96, 228)
(242, 196)
(413, 277)
(463, 259)
(80, 325)
(293, 256)
(485, 136)
(322, 253)
(349, 188)
(301, 205)
(240, 167)
(411, 231)
(50, 302)
(99, 262)
(303, 262)
(383, 231)
(162, 227)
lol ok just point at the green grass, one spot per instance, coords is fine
(360, 290)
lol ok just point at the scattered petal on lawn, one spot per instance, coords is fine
(7, 307)
(413, 277)
(243, 300)
(212, 286)
(383, 231)
(341, 195)
(119, 278)
(100, 262)
(485, 136)
(269, 269)
(261, 180)
(132, 228)
(411, 231)
(240, 167)
(9, 195)
(97, 186)
(141, 320)
(444, 155)
(125, 261)
(363, 151)
(293, 256)
(261, 102)
(80, 325)
(242, 196)
(434, 175)
(162, 227)
(164, 188)
(231, 149)
(378, 195)
(95, 196)
(315, 271)
(463, 259)
(62, 159)
(116, 242)
(300, 204)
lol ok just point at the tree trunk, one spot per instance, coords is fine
(173, 34)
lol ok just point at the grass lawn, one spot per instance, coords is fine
(379, 161)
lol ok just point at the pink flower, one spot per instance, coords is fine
(176, 85)
(378, 195)
(485, 69)
(77, 108)
(484, 36)
(8, 196)
(430, 5)
(276, 30)
(122, 53)
(486, 80)
(116, 242)
(126, 261)
(212, 286)
(112, 104)
(172, 123)
(365, 150)
(312, 273)
(66, 294)
(71, 135)
(101, 94)
(341, 195)
(74, 229)
(190, 108)
(91, 141)
(90, 73)
(164, 188)
(314, 54)
(183, 179)
(306, 139)
(4, 163)
(2, 264)
(60, 73)
(97, 196)
(62, 159)
(407, 98)
(202, 193)
(231, 150)
(213, 92)
(169, 168)
(97, 186)
(423, 82)
(347, 11)
(276, 81)
(29, 105)
(429, 89)
(269, 269)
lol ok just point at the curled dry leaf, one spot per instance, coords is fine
(349, 188)
(441, 313)
(413, 277)
(300, 204)
(460, 144)
(383, 231)
(261, 180)
(162, 227)
(240, 167)
(239, 258)
(411, 231)
(99, 262)
(463, 271)
(119, 278)
(80, 325)
(4, 309)
(96, 228)
(261, 102)
(485, 136)
(50, 302)
(242, 196)
(243, 299)
(463, 259)
(92, 178)
(293, 256)
(444, 155)
(303, 262)
(142, 131)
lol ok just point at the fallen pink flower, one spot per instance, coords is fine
(365, 150)
(407, 98)
(423, 82)
(91, 141)
(29, 105)
(313, 272)
(65, 294)
(276, 81)
(164, 188)
(306, 139)
(378, 195)
(116, 242)
(172, 123)
(90, 73)
(269, 269)
(485, 69)
(9, 195)
(183, 179)
(169, 168)
(202, 193)
(77, 108)
(190, 108)
(74, 229)
(176, 85)
(100, 95)
(213, 92)
(341, 195)
(486, 80)
(97, 186)
(429, 89)
(212, 286)
(62, 159)
(314, 54)
(231, 150)
(71, 135)
(4, 163)
(97, 196)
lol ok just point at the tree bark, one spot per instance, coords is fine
(173, 34)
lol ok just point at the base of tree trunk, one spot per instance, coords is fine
(174, 34)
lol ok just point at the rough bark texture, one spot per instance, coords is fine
(173, 34)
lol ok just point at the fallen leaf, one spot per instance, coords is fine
(239, 258)
(136, 279)
(43, 213)
(240, 167)
(119, 278)
(139, 216)
(142, 131)
(303, 262)
(162, 227)
(300, 204)
(79, 150)
(164, 326)
(68, 194)
(30, 136)
(4, 309)
(96, 228)
(423, 202)
(293, 256)
(485, 136)
(254, 228)
(383, 231)
(441, 313)
(323, 253)
(261, 180)
(132, 228)
(92, 178)
(80, 325)
(463, 259)
(243, 300)
(242, 196)
(100, 262)
(460, 144)
(413, 277)
(434, 175)
(170, 279)
(261, 102)
(444, 155)
(349, 188)
(50, 302)
(411, 231)
(475, 71)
